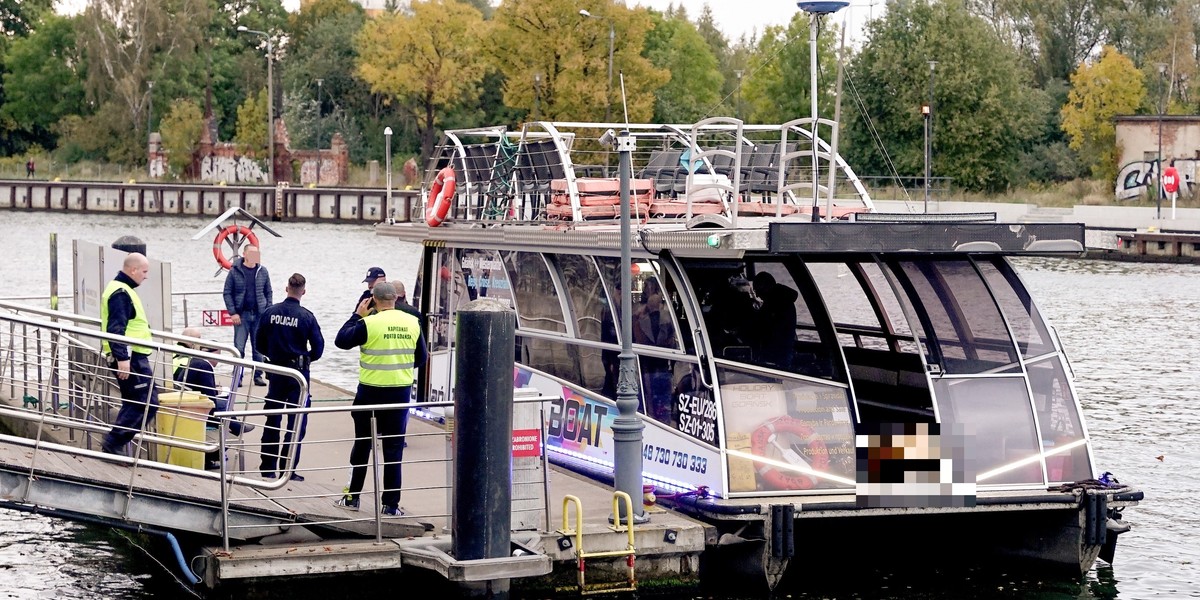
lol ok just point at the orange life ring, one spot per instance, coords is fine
(241, 233)
(782, 479)
(439, 197)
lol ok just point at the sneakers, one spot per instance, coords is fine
(347, 503)
(391, 511)
(297, 477)
(237, 428)
(260, 380)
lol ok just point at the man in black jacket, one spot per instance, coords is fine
(289, 336)
(374, 275)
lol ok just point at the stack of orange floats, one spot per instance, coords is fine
(600, 198)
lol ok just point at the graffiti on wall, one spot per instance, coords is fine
(1138, 179)
(240, 169)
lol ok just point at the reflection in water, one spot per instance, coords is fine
(1130, 330)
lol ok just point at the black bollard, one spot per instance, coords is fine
(129, 243)
(481, 524)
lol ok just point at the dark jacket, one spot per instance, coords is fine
(120, 311)
(354, 333)
(288, 331)
(777, 317)
(235, 288)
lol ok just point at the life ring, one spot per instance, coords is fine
(439, 197)
(242, 233)
(783, 479)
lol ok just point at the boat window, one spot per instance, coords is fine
(555, 357)
(1059, 421)
(994, 416)
(586, 294)
(967, 331)
(449, 293)
(485, 277)
(864, 309)
(534, 293)
(1028, 328)
(653, 312)
(803, 431)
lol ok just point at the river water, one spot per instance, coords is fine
(1131, 330)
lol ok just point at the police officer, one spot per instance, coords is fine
(374, 275)
(391, 345)
(289, 336)
(121, 313)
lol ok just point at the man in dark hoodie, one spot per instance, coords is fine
(247, 294)
(776, 342)
(121, 313)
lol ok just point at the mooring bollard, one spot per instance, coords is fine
(481, 524)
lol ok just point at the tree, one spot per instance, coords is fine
(17, 17)
(312, 14)
(570, 52)
(776, 87)
(984, 113)
(42, 82)
(428, 61)
(181, 129)
(694, 90)
(1101, 90)
(251, 133)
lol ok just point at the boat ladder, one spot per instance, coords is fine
(630, 552)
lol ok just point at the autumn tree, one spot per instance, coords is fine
(251, 134)
(181, 129)
(569, 53)
(1100, 91)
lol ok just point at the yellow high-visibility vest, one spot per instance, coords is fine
(388, 356)
(137, 327)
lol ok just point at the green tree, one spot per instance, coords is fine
(1110, 86)
(570, 52)
(42, 79)
(694, 90)
(17, 17)
(984, 110)
(181, 129)
(314, 13)
(776, 86)
(251, 133)
(429, 61)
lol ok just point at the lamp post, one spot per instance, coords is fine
(149, 108)
(320, 157)
(387, 151)
(537, 96)
(270, 102)
(816, 9)
(927, 111)
(738, 108)
(612, 34)
(1162, 74)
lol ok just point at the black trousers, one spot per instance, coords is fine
(390, 425)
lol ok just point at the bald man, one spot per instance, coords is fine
(121, 313)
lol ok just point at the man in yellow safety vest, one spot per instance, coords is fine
(121, 313)
(390, 346)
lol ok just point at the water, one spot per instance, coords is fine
(1130, 329)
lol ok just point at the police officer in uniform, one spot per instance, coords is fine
(374, 275)
(288, 336)
(391, 346)
(121, 313)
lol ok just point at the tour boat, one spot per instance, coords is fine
(818, 381)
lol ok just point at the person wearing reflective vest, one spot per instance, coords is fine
(390, 347)
(121, 313)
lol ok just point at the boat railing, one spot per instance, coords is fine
(564, 172)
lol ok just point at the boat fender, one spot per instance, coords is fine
(771, 474)
(439, 197)
(241, 233)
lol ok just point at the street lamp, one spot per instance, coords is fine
(320, 157)
(537, 96)
(927, 111)
(270, 102)
(738, 108)
(1162, 74)
(149, 108)
(608, 87)
(387, 150)
(816, 9)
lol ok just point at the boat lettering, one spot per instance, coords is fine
(697, 416)
(576, 421)
(675, 458)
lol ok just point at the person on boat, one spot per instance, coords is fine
(374, 275)
(652, 327)
(775, 342)
(122, 313)
(289, 336)
(390, 346)
(196, 374)
(247, 293)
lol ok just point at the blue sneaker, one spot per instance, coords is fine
(391, 511)
(347, 503)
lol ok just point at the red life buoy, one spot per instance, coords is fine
(782, 479)
(241, 233)
(440, 196)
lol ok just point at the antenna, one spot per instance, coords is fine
(624, 104)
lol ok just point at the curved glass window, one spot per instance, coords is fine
(534, 293)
